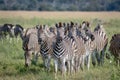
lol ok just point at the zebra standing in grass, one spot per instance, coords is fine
(5, 30)
(78, 48)
(100, 43)
(63, 50)
(115, 47)
(84, 45)
(30, 46)
(16, 31)
(46, 38)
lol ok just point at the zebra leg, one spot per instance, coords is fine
(98, 58)
(93, 59)
(56, 65)
(35, 58)
(72, 65)
(63, 67)
(82, 62)
(44, 61)
(88, 64)
(48, 62)
(68, 67)
(86, 60)
(102, 57)
(77, 62)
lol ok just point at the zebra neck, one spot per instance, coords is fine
(44, 46)
(59, 49)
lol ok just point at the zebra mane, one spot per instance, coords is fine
(100, 31)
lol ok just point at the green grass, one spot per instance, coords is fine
(12, 55)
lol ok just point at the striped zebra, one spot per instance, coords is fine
(100, 43)
(46, 38)
(63, 51)
(30, 46)
(84, 45)
(115, 47)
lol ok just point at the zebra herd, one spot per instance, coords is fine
(70, 45)
(11, 30)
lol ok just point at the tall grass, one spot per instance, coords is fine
(12, 55)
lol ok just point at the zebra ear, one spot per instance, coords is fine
(66, 29)
(64, 24)
(56, 25)
(83, 22)
(40, 27)
(60, 24)
(37, 26)
(71, 23)
(88, 24)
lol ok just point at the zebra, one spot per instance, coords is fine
(63, 51)
(5, 30)
(30, 46)
(16, 30)
(100, 42)
(115, 47)
(83, 43)
(46, 38)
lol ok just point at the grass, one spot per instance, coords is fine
(12, 55)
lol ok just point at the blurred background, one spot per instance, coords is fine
(61, 5)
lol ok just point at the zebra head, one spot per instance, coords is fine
(28, 58)
(60, 31)
(41, 34)
(72, 30)
(6, 29)
(90, 34)
(99, 28)
(87, 31)
(45, 33)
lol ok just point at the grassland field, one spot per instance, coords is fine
(12, 55)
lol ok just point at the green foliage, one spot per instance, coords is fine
(61, 5)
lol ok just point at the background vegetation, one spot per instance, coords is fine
(12, 55)
(61, 5)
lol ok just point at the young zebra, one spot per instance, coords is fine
(46, 39)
